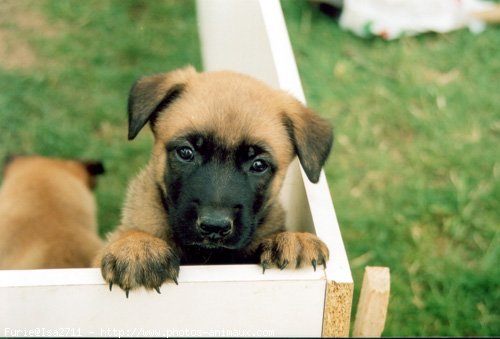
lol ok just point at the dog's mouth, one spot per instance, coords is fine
(209, 244)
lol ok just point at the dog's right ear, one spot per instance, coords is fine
(9, 158)
(152, 94)
(94, 167)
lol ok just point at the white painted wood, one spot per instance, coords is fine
(233, 36)
(209, 273)
(237, 298)
(248, 36)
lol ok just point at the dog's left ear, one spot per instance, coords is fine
(152, 94)
(312, 137)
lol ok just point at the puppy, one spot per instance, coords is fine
(47, 213)
(209, 194)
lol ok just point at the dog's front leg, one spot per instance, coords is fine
(134, 258)
(293, 249)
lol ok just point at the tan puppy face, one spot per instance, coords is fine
(223, 142)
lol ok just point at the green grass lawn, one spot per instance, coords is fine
(70, 99)
(415, 171)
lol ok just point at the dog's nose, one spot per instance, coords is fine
(215, 224)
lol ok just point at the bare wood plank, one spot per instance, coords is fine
(373, 302)
(491, 16)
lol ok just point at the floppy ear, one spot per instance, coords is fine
(94, 167)
(312, 137)
(150, 95)
(9, 158)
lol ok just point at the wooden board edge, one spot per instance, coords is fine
(373, 302)
(337, 309)
(188, 274)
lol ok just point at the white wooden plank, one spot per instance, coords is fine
(210, 273)
(327, 229)
(267, 305)
(233, 37)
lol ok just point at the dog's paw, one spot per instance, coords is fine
(138, 259)
(293, 249)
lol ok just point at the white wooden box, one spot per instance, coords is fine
(248, 36)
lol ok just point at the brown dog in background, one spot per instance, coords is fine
(210, 192)
(48, 213)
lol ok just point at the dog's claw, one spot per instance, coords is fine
(126, 292)
(314, 264)
(264, 267)
(110, 285)
(175, 280)
(283, 264)
(157, 289)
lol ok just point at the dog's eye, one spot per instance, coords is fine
(259, 166)
(185, 153)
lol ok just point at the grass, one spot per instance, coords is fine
(414, 174)
(415, 171)
(70, 101)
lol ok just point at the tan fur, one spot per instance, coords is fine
(233, 107)
(151, 256)
(47, 215)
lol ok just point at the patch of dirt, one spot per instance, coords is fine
(442, 78)
(15, 53)
(19, 19)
